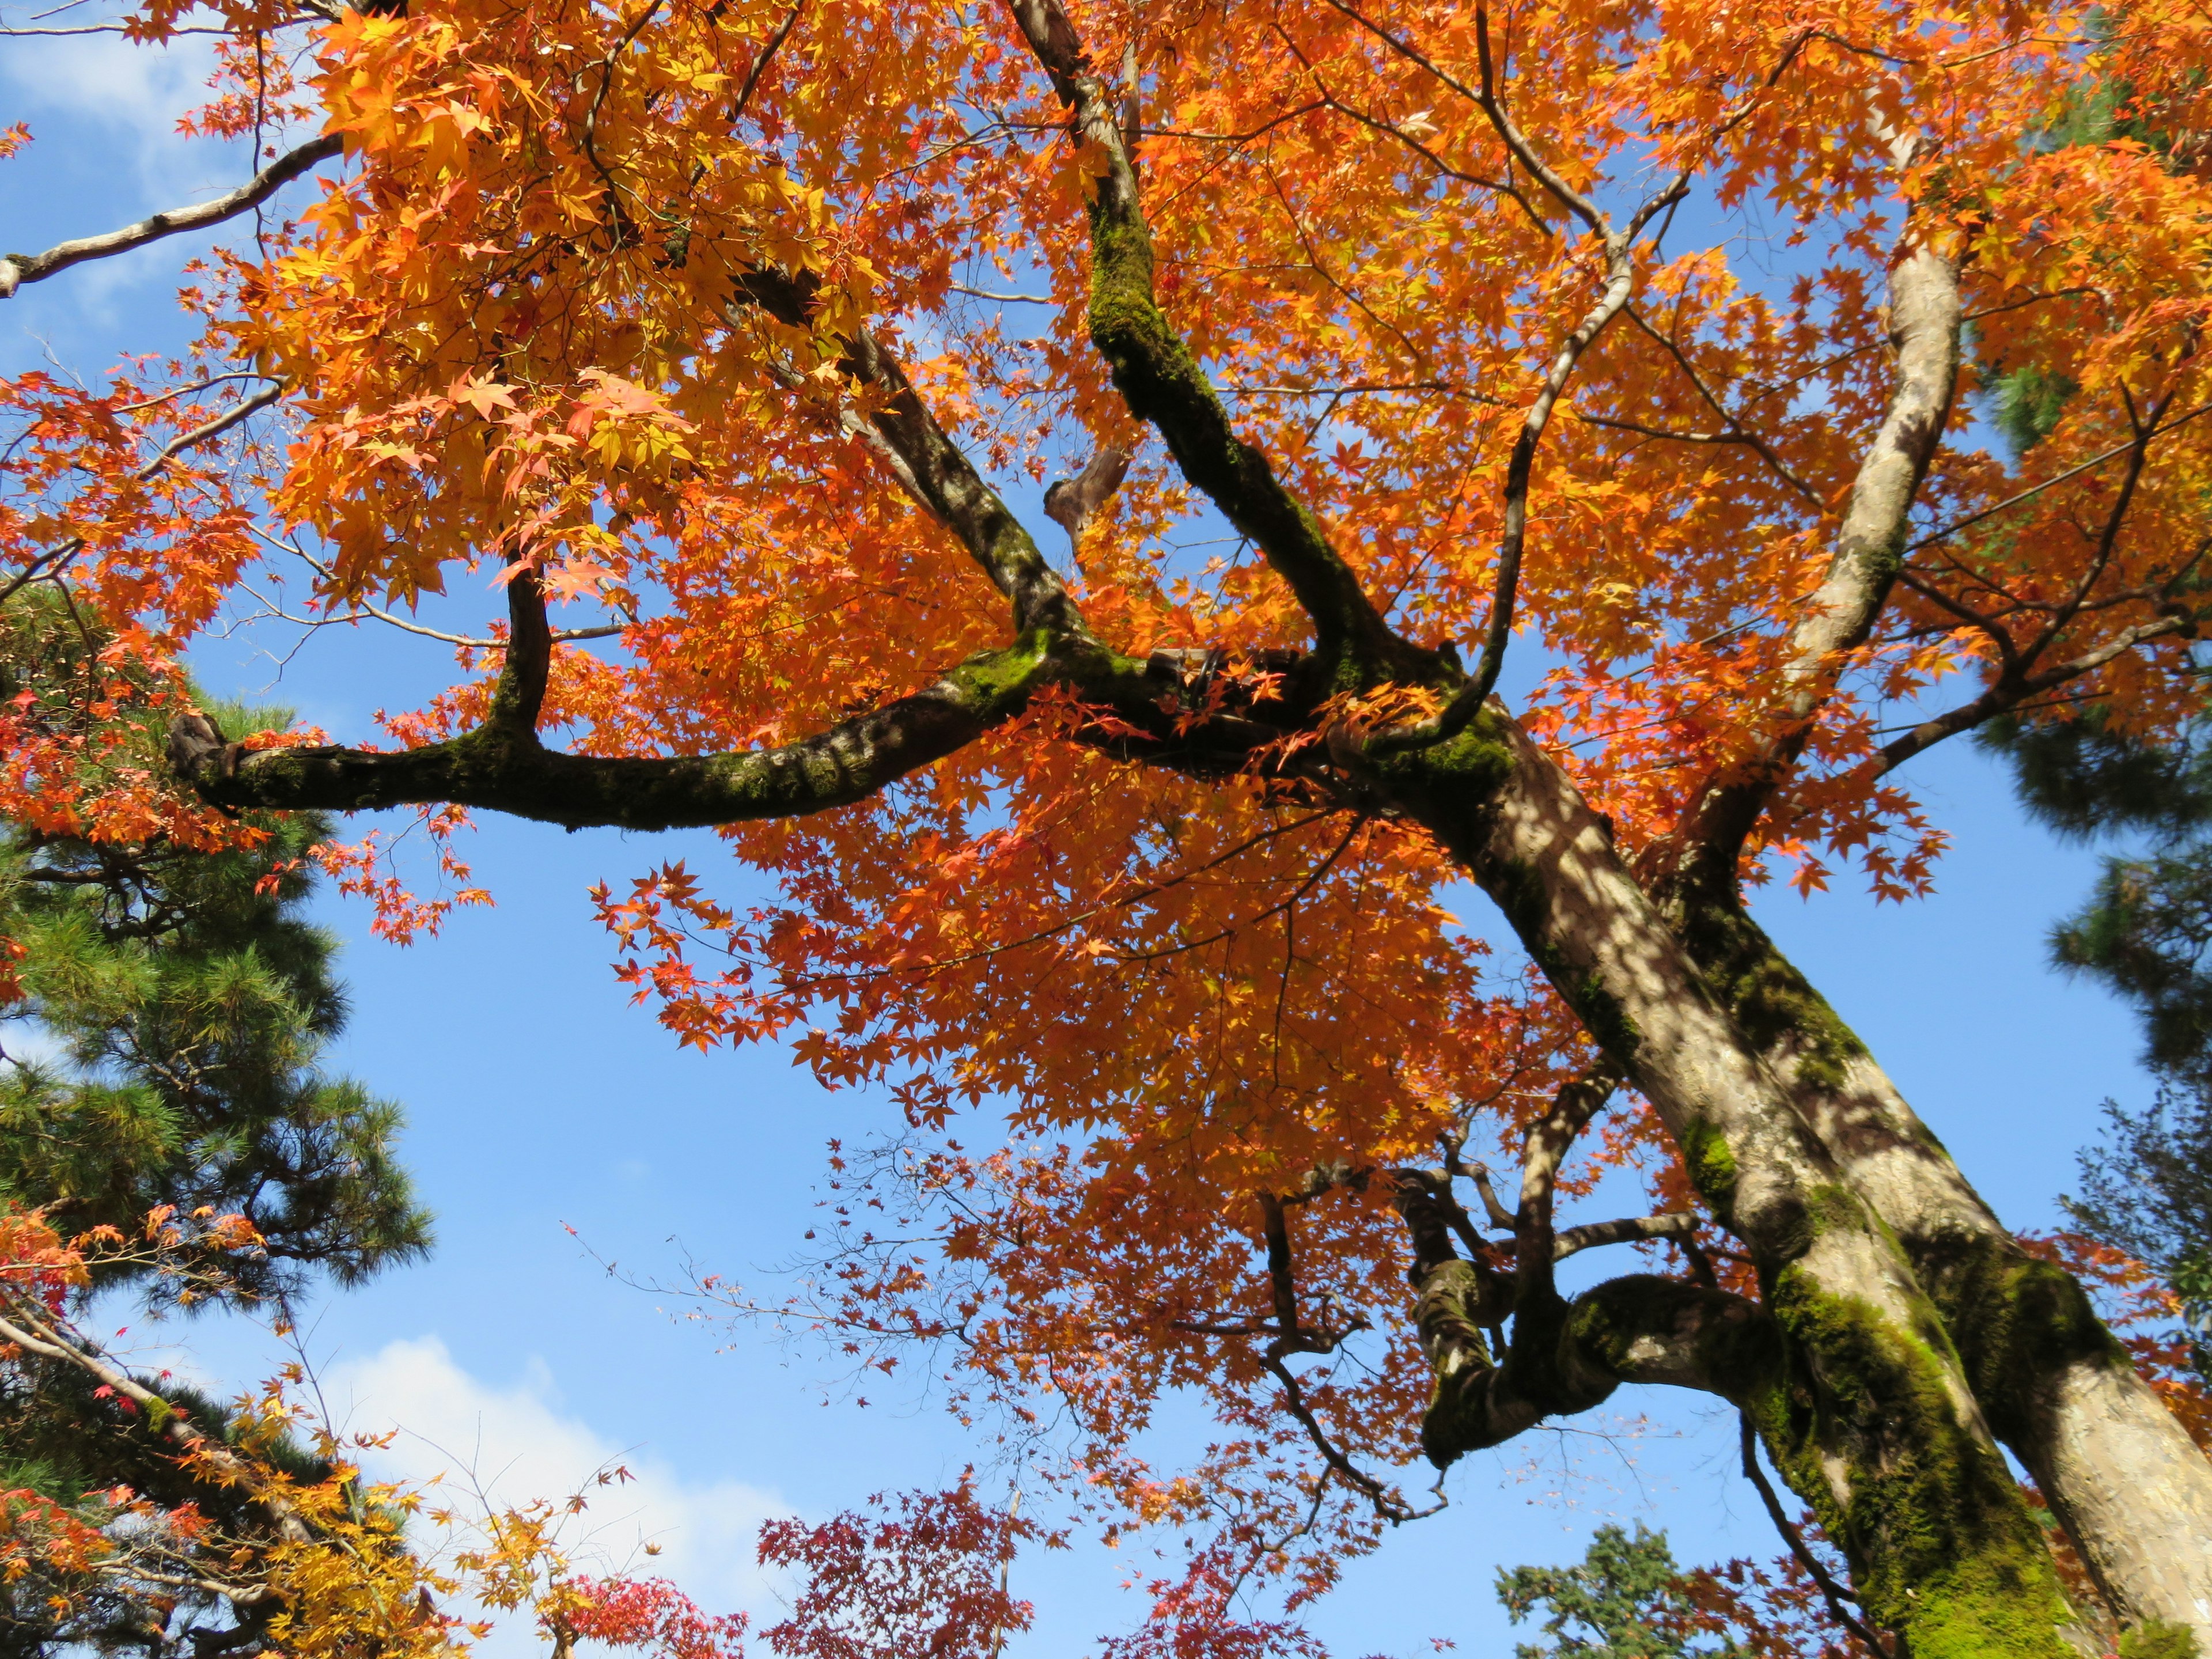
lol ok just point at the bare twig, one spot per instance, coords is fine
(1834, 1593)
(1971, 518)
(48, 563)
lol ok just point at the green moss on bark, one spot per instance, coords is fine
(2155, 1640)
(2015, 1320)
(1762, 988)
(1942, 1546)
(1710, 1164)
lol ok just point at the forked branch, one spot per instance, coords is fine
(1163, 384)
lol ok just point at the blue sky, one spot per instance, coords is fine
(539, 1100)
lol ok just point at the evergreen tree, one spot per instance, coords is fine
(185, 1001)
(1626, 1601)
(171, 1004)
(2145, 932)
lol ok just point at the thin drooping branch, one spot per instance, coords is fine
(1835, 1594)
(23, 1326)
(1163, 384)
(50, 561)
(1290, 1336)
(1387, 1502)
(16, 268)
(362, 608)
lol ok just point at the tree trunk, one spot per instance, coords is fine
(1875, 1425)
(2131, 1489)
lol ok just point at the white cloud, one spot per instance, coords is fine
(513, 1444)
(104, 98)
(133, 94)
(29, 1044)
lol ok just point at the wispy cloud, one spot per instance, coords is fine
(104, 109)
(128, 98)
(513, 1444)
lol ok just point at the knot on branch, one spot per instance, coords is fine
(199, 753)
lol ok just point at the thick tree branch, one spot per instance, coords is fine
(505, 769)
(16, 268)
(1163, 384)
(930, 466)
(502, 767)
(1673, 1224)
(1866, 557)
(1568, 1357)
(519, 695)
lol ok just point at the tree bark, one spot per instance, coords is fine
(1886, 1440)
(2130, 1487)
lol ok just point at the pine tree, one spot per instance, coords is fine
(1626, 1601)
(2145, 932)
(187, 1000)
(171, 1003)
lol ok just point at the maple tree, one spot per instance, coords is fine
(1375, 348)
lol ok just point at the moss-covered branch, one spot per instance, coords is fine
(505, 768)
(502, 767)
(1566, 1358)
(929, 465)
(1163, 383)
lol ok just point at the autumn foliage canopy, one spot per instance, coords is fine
(1581, 451)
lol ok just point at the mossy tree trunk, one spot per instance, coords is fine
(1868, 1411)
(2130, 1486)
